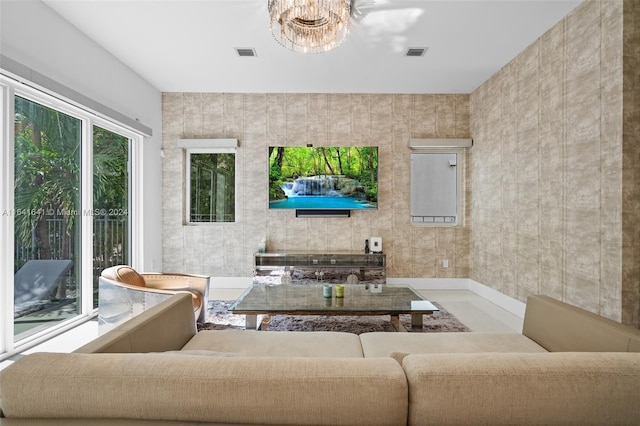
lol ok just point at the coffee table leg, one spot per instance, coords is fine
(397, 325)
(264, 323)
(416, 320)
(251, 322)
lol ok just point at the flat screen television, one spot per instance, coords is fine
(323, 178)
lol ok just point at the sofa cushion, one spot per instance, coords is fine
(511, 388)
(380, 344)
(560, 327)
(320, 344)
(273, 391)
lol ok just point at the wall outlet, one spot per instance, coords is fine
(445, 263)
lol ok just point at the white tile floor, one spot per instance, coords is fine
(474, 311)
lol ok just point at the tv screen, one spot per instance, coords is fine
(337, 178)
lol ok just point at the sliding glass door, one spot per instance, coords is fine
(68, 188)
(111, 226)
(46, 217)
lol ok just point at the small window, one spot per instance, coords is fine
(211, 177)
(436, 187)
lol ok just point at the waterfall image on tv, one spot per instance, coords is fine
(343, 178)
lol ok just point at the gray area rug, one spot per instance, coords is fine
(218, 318)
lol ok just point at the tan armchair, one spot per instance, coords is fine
(124, 293)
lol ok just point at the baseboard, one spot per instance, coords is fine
(508, 303)
(231, 282)
(431, 283)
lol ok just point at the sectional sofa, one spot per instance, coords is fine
(568, 366)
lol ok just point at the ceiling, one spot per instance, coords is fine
(189, 46)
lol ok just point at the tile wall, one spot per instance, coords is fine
(547, 169)
(261, 120)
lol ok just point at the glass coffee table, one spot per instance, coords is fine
(308, 299)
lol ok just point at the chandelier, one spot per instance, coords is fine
(310, 26)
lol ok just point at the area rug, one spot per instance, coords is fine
(219, 318)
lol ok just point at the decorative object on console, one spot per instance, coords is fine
(376, 245)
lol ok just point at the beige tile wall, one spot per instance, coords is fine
(547, 168)
(261, 120)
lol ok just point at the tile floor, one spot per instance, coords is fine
(474, 311)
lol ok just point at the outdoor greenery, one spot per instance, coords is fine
(47, 176)
(290, 163)
(212, 190)
(47, 180)
(110, 176)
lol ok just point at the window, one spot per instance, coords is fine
(65, 211)
(212, 187)
(211, 180)
(437, 187)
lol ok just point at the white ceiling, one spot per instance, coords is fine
(189, 46)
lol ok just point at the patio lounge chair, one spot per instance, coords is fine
(38, 280)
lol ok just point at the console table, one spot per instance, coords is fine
(336, 267)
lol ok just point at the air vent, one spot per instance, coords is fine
(245, 51)
(416, 51)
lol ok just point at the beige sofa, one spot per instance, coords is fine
(568, 367)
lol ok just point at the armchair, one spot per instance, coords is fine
(124, 293)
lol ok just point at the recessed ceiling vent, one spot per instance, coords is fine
(246, 51)
(416, 51)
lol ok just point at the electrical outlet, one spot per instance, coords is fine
(445, 263)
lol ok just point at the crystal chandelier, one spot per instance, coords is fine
(310, 26)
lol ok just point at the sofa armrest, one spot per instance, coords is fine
(167, 326)
(560, 327)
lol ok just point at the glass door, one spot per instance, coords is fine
(111, 225)
(47, 185)
(69, 207)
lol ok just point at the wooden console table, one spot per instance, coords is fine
(325, 267)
